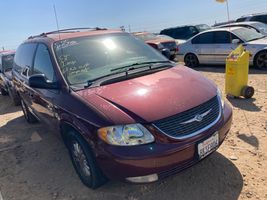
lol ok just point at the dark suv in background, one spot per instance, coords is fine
(260, 17)
(6, 84)
(183, 33)
(124, 111)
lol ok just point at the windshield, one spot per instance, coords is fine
(146, 36)
(247, 34)
(7, 61)
(261, 27)
(88, 58)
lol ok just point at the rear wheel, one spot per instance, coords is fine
(191, 60)
(30, 118)
(261, 60)
(84, 161)
(3, 92)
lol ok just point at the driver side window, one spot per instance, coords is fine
(42, 63)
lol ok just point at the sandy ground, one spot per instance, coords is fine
(34, 163)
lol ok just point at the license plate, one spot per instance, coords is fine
(208, 146)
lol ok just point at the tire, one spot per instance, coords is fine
(3, 92)
(14, 97)
(30, 118)
(260, 60)
(247, 92)
(191, 60)
(84, 161)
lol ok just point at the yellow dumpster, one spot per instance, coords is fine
(236, 75)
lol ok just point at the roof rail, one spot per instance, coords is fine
(68, 30)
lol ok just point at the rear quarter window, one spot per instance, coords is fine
(242, 19)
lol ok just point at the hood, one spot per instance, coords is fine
(262, 42)
(151, 97)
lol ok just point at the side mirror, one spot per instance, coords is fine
(166, 53)
(236, 41)
(40, 81)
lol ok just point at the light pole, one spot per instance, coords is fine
(227, 5)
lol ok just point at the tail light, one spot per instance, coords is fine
(153, 45)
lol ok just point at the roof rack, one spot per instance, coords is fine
(68, 30)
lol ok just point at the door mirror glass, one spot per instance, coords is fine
(236, 41)
(41, 82)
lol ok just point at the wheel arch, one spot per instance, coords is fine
(256, 55)
(66, 127)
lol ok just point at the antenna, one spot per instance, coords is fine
(55, 11)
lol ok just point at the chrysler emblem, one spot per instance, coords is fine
(197, 118)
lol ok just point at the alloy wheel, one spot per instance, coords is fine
(191, 60)
(80, 160)
(261, 61)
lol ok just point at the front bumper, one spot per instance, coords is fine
(164, 157)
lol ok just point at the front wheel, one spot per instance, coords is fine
(84, 162)
(260, 61)
(191, 60)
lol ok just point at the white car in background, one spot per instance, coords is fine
(213, 46)
(258, 26)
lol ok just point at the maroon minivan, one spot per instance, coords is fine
(124, 111)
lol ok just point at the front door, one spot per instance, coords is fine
(43, 99)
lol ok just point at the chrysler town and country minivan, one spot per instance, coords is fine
(124, 111)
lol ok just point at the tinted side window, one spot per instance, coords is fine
(42, 62)
(261, 18)
(168, 32)
(222, 37)
(204, 38)
(24, 56)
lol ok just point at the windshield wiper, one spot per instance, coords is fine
(125, 69)
(257, 38)
(131, 66)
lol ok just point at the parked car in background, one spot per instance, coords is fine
(6, 84)
(213, 46)
(159, 43)
(124, 111)
(257, 26)
(259, 17)
(183, 33)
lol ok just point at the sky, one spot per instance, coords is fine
(23, 18)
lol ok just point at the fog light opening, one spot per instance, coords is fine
(143, 179)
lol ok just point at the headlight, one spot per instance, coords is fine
(126, 135)
(219, 93)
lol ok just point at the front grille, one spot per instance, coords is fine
(175, 127)
(169, 45)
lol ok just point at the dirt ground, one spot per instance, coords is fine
(34, 164)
